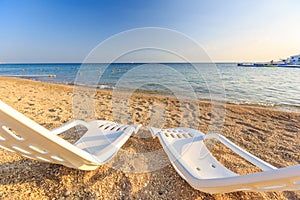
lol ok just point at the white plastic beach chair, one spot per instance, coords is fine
(25, 137)
(193, 161)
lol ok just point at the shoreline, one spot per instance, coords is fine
(162, 94)
(271, 135)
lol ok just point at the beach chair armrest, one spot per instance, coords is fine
(68, 126)
(244, 154)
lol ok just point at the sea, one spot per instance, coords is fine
(274, 87)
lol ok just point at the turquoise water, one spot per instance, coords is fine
(273, 87)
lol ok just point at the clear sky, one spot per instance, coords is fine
(67, 30)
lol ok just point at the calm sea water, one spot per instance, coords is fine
(275, 87)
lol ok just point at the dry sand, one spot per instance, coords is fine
(270, 135)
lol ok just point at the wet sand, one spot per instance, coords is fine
(271, 135)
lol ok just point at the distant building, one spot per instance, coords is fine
(295, 60)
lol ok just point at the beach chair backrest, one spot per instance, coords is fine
(193, 161)
(23, 136)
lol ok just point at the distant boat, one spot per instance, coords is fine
(292, 62)
(252, 64)
(246, 64)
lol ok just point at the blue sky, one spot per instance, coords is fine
(228, 30)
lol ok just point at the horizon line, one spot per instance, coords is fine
(170, 62)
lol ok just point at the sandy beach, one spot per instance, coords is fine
(272, 135)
